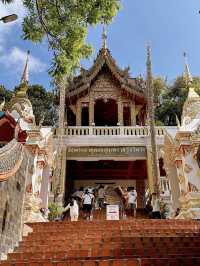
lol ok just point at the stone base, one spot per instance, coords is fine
(190, 206)
(3, 257)
(32, 212)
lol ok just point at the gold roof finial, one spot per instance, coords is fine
(104, 37)
(25, 75)
(187, 75)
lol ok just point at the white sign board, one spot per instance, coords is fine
(112, 212)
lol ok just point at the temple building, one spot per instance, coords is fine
(106, 139)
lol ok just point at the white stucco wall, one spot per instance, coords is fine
(193, 175)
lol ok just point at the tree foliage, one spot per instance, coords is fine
(44, 105)
(65, 24)
(7, 1)
(172, 100)
(5, 94)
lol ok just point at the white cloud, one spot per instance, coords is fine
(15, 59)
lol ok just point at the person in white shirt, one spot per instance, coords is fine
(88, 199)
(132, 201)
(73, 210)
(156, 207)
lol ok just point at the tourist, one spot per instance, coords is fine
(101, 197)
(177, 212)
(79, 195)
(74, 210)
(88, 200)
(132, 201)
(156, 207)
(148, 208)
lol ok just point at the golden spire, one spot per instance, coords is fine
(187, 75)
(151, 122)
(25, 74)
(23, 87)
(104, 37)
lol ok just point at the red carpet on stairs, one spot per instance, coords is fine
(110, 243)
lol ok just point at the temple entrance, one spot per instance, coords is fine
(111, 174)
(105, 113)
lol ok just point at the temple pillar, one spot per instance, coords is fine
(91, 109)
(133, 114)
(120, 111)
(44, 192)
(149, 170)
(63, 170)
(78, 113)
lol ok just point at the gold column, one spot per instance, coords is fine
(120, 111)
(133, 114)
(91, 109)
(63, 170)
(78, 113)
(149, 170)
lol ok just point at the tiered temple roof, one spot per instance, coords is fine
(104, 60)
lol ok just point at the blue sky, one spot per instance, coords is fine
(170, 26)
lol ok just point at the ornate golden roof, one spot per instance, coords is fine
(104, 58)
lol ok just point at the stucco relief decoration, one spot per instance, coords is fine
(192, 188)
(178, 163)
(24, 109)
(183, 184)
(188, 168)
(168, 152)
(190, 110)
(185, 150)
(198, 156)
(194, 151)
(105, 96)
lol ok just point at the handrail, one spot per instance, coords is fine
(137, 131)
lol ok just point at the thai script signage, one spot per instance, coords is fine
(120, 151)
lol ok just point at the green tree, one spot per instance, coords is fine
(65, 25)
(5, 94)
(7, 1)
(44, 105)
(160, 87)
(173, 99)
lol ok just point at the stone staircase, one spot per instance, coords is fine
(109, 243)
